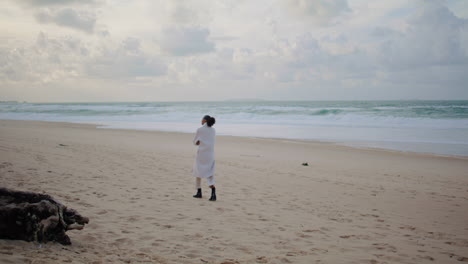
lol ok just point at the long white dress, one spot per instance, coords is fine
(204, 162)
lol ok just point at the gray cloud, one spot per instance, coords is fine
(131, 44)
(40, 3)
(184, 28)
(12, 66)
(432, 47)
(318, 11)
(54, 59)
(45, 60)
(189, 12)
(68, 17)
(384, 32)
(182, 41)
(306, 52)
(434, 37)
(125, 61)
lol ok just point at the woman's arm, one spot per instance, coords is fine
(196, 139)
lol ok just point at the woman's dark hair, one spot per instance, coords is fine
(210, 121)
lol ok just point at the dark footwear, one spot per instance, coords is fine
(213, 194)
(198, 195)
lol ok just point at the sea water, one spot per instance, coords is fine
(438, 127)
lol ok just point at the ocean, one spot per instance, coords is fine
(437, 127)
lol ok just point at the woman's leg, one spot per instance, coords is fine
(197, 182)
(211, 183)
(198, 186)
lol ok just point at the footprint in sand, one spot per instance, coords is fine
(90, 238)
(147, 237)
(412, 228)
(244, 249)
(192, 255)
(230, 261)
(385, 246)
(301, 235)
(284, 260)
(5, 165)
(6, 252)
(313, 231)
(122, 241)
(427, 257)
(319, 250)
(132, 219)
(296, 253)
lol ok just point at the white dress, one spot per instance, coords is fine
(204, 162)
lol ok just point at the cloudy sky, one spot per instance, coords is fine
(185, 50)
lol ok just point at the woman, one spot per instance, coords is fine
(204, 162)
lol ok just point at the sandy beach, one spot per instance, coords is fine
(348, 206)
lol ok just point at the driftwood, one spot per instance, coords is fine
(36, 217)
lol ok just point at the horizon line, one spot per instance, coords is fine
(227, 100)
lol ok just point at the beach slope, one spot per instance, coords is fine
(348, 206)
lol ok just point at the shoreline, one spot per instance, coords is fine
(436, 127)
(347, 144)
(348, 205)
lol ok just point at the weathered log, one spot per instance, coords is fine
(36, 217)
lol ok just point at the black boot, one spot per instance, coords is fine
(213, 194)
(198, 195)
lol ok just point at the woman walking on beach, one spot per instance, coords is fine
(204, 162)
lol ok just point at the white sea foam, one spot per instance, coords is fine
(444, 124)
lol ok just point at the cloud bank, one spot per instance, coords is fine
(68, 17)
(204, 50)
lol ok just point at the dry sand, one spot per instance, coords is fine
(348, 206)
